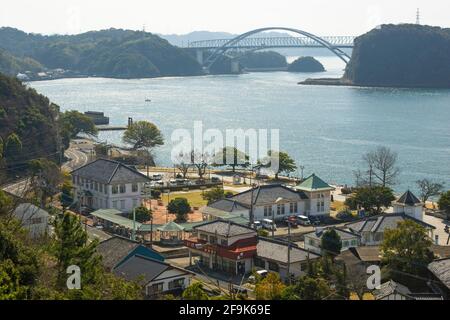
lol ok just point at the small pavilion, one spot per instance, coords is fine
(171, 234)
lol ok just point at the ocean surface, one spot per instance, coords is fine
(325, 129)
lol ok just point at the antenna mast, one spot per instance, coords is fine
(418, 16)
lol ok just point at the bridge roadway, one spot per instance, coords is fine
(273, 42)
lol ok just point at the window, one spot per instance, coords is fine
(176, 284)
(280, 209)
(303, 266)
(96, 186)
(318, 206)
(74, 180)
(293, 207)
(134, 187)
(260, 263)
(114, 203)
(212, 240)
(122, 188)
(122, 204)
(115, 189)
(224, 242)
(36, 220)
(267, 211)
(345, 244)
(273, 266)
(203, 236)
(157, 288)
(354, 243)
(101, 187)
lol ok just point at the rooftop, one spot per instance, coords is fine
(343, 233)
(144, 269)
(110, 172)
(224, 228)
(278, 251)
(171, 227)
(409, 199)
(382, 222)
(314, 183)
(441, 269)
(389, 288)
(114, 250)
(268, 194)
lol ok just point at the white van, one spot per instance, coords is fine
(268, 224)
(257, 225)
(303, 220)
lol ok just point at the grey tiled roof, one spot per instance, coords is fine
(409, 199)
(228, 205)
(266, 194)
(382, 222)
(223, 228)
(144, 269)
(441, 269)
(110, 172)
(389, 288)
(343, 233)
(114, 250)
(278, 251)
(139, 267)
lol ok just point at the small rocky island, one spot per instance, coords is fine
(306, 64)
(404, 56)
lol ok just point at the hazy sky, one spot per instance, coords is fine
(322, 17)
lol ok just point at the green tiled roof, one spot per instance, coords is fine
(114, 216)
(314, 183)
(171, 226)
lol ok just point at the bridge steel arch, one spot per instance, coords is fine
(228, 45)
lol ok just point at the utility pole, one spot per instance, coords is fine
(289, 253)
(133, 234)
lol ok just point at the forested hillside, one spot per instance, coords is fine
(109, 53)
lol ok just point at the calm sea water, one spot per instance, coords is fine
(326, 129)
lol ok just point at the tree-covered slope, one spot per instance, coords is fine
(30, 117)
(401, 56)
(265, 59)
(11, 65)
(110, 53)
(306, 64)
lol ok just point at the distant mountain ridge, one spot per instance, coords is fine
(113, 53)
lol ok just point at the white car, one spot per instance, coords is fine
(269, 224)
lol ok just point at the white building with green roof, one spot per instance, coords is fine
(318, 193)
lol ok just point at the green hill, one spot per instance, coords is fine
(108, 53)
(401, 56)
(11, 65)
(306, 64)
(264, 59)
(32, 118)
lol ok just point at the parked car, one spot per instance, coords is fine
(303, 220)
(292, 220)
(258, 225)
(215, 179)
(156, 177)
(315, 221)
(260, 273)
(269, 224)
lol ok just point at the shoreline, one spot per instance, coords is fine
(339, 82)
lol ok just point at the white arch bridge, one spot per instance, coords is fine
(247, 42)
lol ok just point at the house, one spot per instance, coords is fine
(319, 196)
(392, 290)
(363, 255)
(272, 255)
(223, 245)
(409, 205)
(107, 184)
(33, 218)
(372, 229)
(157, 277)
(117, 250)
(313, 240)
(440, 270)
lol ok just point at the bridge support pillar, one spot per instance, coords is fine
(200, 56)
(235, 66)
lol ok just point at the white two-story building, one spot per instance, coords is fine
(107, 184)
(310, 198)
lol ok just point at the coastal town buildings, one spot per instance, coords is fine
(107, 184)
(223, 246)
(313, 240)
(312, 197)
(33, 218)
